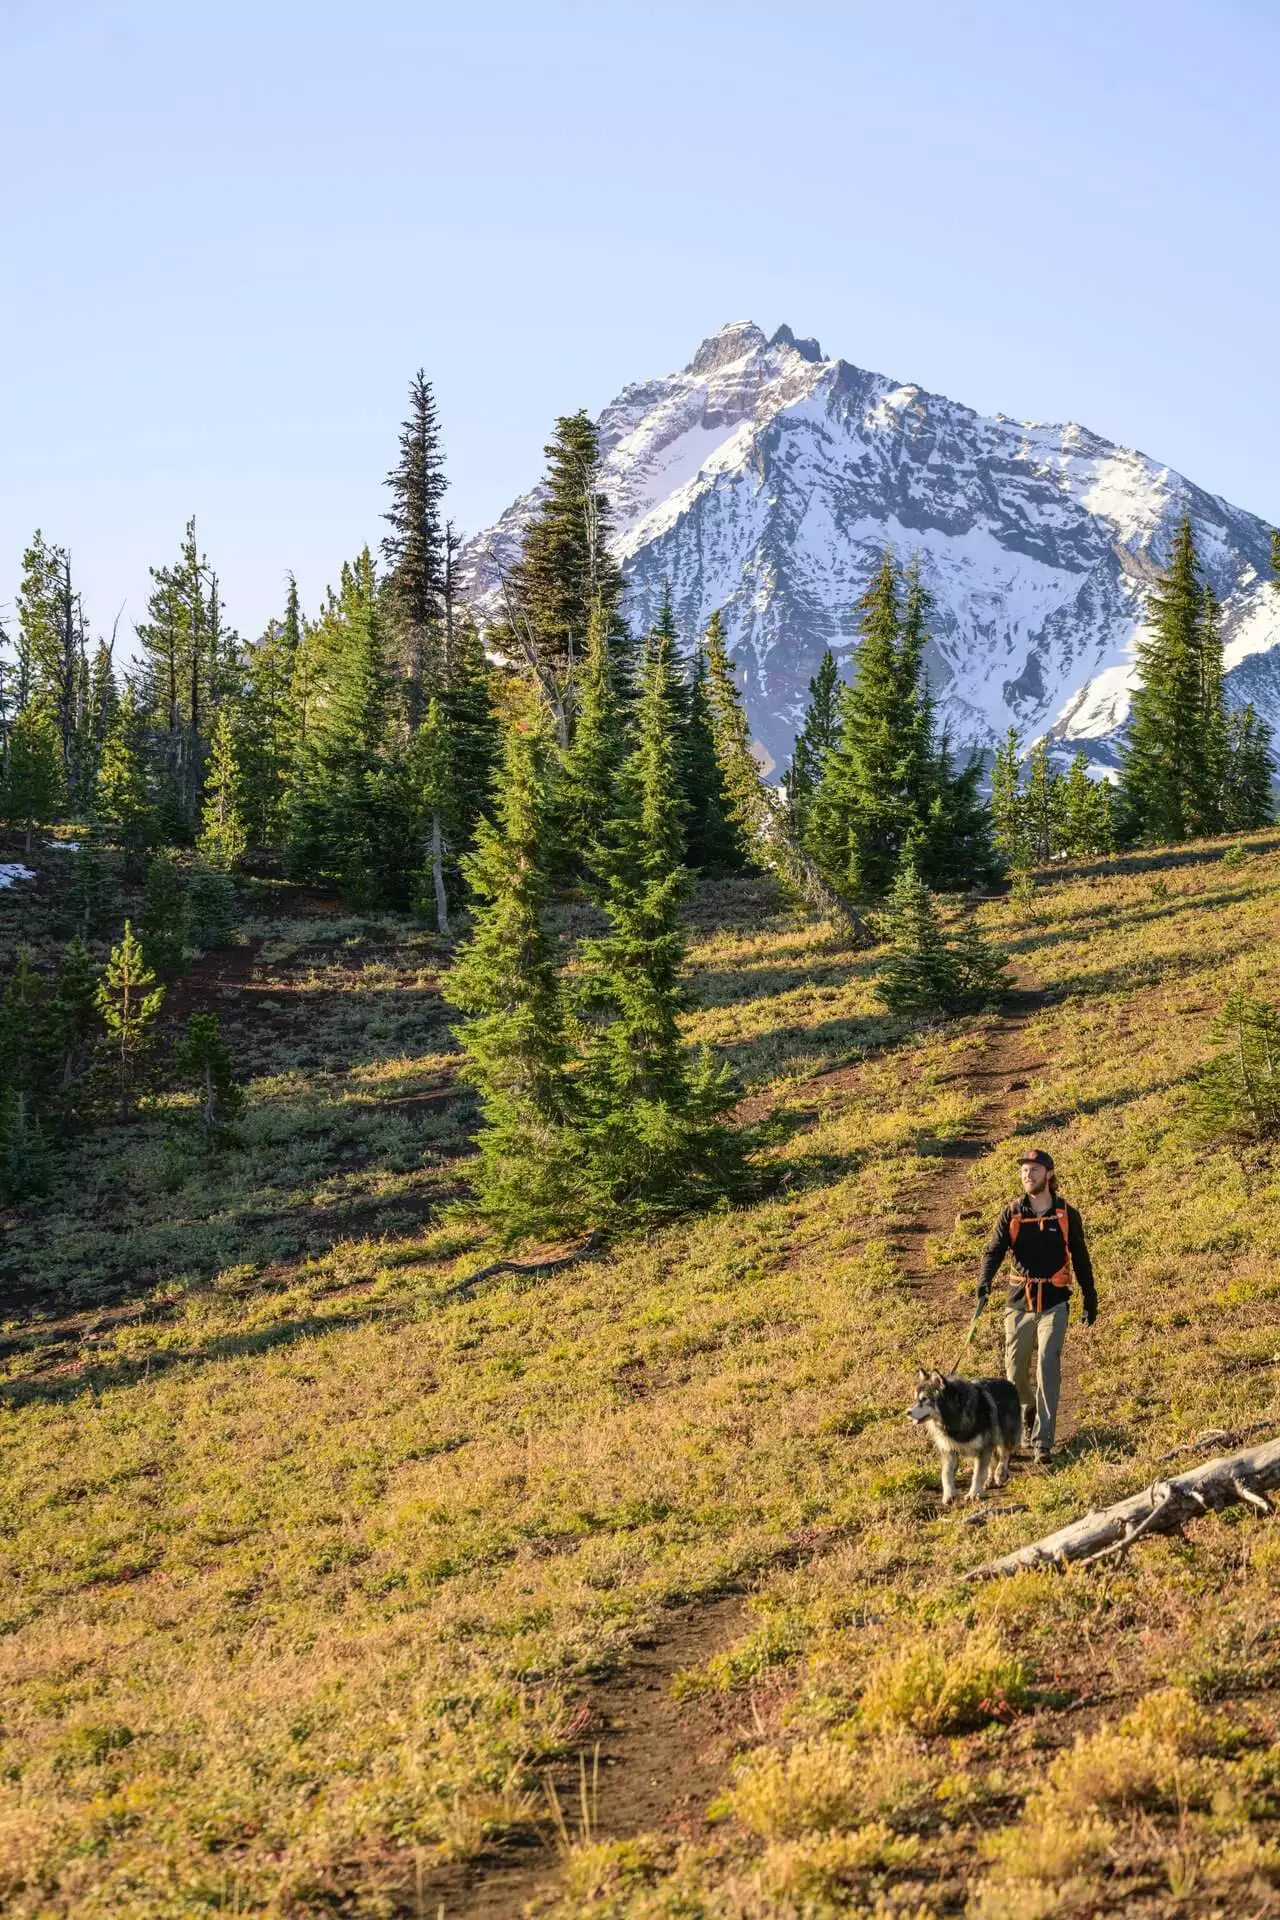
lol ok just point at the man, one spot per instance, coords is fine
(1045, 1238)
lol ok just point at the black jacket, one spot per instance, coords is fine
(1039, 1254)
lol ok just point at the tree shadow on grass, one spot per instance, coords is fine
(94, 1379)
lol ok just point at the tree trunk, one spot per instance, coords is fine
(437, 875)
(1163, 1507)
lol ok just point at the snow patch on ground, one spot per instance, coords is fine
(11, 870)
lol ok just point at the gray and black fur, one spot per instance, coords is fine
(973, 1418)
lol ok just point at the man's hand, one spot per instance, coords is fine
(1090, 1315)
(984, 1294)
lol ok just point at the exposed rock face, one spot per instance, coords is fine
(767, 480)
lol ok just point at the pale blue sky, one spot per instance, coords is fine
(229, 232)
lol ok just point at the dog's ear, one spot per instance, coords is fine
(937, 1380)
(922, 1378)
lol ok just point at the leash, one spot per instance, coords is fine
(967, 1342)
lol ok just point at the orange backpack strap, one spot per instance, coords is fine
(1063, 1277)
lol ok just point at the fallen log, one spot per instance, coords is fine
(1164, 1507)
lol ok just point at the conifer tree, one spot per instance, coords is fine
(926, 973)
(565, 572)
(475, 738)
(595, 754)
(76, 1016)
(814, 741)
(52, 645)
(268, 725)
(954, 847)
(1247, 772)
(32, 786)
(28, 1037)
(1042, 806)
(123, 794)
(871, 794)
(223, 839)
(129, 1000)
(526, 1177)
(28, 1067)
(162, 922)
(202, 1056)
(87, 888)
(351, 800)
(210, 909)
(415, 551)
(1007, 809)
(753, 811)
(655, 1138)
(714, 843)
(435, 774)
(1086, 825)
(1167, 774)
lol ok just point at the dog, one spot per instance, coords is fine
(978, 1419)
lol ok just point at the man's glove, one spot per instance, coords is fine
(1090, 1315)
(984, 1294)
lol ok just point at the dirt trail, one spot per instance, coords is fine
(660, 1761)
(658, 1766)
(1003, 1065)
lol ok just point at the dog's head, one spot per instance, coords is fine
(930, 1387)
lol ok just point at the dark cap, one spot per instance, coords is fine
(1039, 1157)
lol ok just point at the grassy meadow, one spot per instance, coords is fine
(305, 1560)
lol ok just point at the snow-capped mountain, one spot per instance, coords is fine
(767, 480)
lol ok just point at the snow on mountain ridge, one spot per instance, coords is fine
(767, 480)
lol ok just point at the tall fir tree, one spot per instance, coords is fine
(527, 1177)
(1247, 800)
(223, 838)
(714, 841)
(1167, 776)
(267, 724)
(870, 797)
(31, 789)
(656, 1142)
(814, 741)
(565, 574)
(1007, 807)
(1042, 806)
(596, 752)
(756, 815)
(53, 645)
(123, 796)
(350, 800)
(416, 554)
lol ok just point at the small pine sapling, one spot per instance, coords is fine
(1238, 1092)
(129, 1000)
(924, 972)
(203, 1057)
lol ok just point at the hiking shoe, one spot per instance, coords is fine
(1041, 1457)
(1028, 1425)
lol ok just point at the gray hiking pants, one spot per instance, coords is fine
(1033, 1362)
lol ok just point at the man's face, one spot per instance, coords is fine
(1035, 1178)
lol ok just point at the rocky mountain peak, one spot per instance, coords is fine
(766, 481)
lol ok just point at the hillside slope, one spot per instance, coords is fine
(312, 1570)
(767, 479)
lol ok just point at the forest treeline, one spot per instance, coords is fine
(386, 746)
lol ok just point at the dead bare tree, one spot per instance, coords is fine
(1245, 1478)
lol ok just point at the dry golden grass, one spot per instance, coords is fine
(300, 1567)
